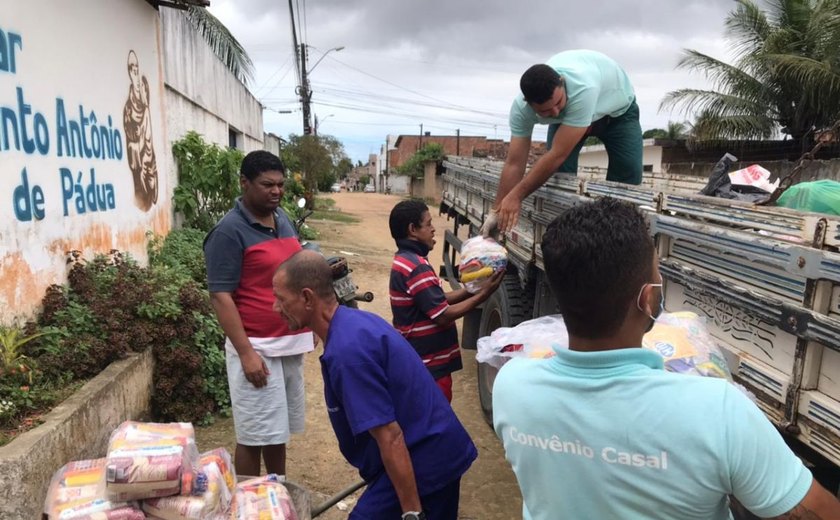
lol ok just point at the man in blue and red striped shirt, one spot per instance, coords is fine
(423, 313)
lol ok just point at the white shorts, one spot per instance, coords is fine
(268, 415)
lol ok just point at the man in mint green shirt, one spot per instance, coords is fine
(577, 93)
(602, 431)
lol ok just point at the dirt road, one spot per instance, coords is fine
(488, 490)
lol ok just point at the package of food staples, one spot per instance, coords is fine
(480, 258)
(686, 346)
(77, 492)
(216, 477)
(265, 498)
(151, 460)
(537, 338)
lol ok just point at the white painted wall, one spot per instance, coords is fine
(201, 93)
(390, 144)
(596, 156)
(400, 184)
(76, 53)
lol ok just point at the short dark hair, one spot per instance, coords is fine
(538, 83)
(309, 270)
(260, 161)
(404, 213)
(597, 255)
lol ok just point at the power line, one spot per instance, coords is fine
(400, 86)
(354, 94)
(425, 116)
(276, 71)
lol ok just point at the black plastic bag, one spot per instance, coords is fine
(720, 186)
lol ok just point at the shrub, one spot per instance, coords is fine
(181, 250)
(208, 180)
(110, 308)
(414, 166)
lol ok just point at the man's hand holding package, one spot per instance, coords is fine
(491, 285)
(490, 224)
(508, 212)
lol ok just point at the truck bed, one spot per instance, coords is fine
(767, 279)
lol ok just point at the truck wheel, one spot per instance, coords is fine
(509, 306)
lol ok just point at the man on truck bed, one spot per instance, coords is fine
(577, 93)
(602, 431)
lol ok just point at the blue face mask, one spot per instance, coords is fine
(661, 303)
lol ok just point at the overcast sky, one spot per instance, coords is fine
(455, 64)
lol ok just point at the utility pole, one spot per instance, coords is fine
(305, 92)
(420, 143)
(387, 156)
(458, 141)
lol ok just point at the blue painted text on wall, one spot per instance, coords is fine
(8, 42)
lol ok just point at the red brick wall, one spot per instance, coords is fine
(452, 145)
(469, 146)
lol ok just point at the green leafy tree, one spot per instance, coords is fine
(208, 180)
(785, 75)
(317, 158)
(344, 167)
(222, 42)
(676, 130)
(415, 164)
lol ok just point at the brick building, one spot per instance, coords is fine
(469, 146)
(408, 145)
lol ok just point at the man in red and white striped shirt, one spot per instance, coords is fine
(423, 313)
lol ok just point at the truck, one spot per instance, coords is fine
(766, 279)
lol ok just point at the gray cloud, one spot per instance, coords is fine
(466, 52)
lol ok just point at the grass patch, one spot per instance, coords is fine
(324, 203)
(335, 216)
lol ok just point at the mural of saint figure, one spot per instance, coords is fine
(137, 125)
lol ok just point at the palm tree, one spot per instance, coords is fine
(223, 43)
(785, 77)
(676, 130)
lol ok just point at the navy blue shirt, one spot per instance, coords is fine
(372, 377)
(417, 299)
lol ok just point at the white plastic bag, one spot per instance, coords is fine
(149, 460)
(77, 492)
(756, 176)
(686, 346)
(218, 479)
(480, 258)
(535, 338)
(262, 497)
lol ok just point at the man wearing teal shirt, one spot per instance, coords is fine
(577, 93)
(602, 431)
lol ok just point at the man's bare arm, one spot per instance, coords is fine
(818, 504)
(459, 310)
(565, 140)
(397, 462)
(231, 322)
(514, 168)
